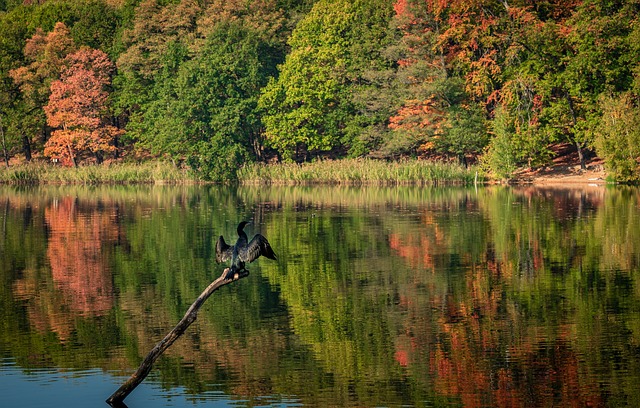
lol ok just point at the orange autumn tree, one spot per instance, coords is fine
(78, 109)
(443, 107)
(44, 55)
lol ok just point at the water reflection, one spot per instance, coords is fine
(381, 296)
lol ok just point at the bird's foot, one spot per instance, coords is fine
(229, 273)
(241, 274)
(235, 274)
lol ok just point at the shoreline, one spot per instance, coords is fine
(563, 171)
(562, 176)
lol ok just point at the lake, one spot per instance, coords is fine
(458, 297)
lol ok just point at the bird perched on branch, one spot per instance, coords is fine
(243, 250)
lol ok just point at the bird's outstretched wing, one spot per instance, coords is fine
(257, 247)
(224, 252)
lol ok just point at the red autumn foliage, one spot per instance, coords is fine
(77, 108)
(75, 252)
(459, 333)
(417, 114)
(46, 54)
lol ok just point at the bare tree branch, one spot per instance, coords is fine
(116, 399)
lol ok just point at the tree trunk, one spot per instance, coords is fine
(117, 398)
(73, 158)
(583, 164)
(26, 148)
(4, 220)
(4, 144)
(462, 159)
(116, 144)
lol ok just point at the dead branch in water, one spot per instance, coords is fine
(117, 398)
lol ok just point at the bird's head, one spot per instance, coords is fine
(242, 225)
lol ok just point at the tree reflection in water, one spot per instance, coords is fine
(381, 296)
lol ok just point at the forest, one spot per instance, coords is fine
(211, 85)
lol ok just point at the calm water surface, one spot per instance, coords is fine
(505, 297)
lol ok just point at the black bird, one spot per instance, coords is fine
(243, 250)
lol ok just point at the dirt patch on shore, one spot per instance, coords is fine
(564, 170)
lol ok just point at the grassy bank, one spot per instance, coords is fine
(120, 173)
(359, 171)
(347, 172)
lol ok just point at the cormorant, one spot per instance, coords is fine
(243, 250)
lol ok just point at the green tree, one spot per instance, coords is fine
(13, 37)
(168, 47)
(521, 110)
(95, 25)
(466, 134)
(91, 22)
(154, 32)
(155, 29)
(206, 112)
(501, 155)
(301, 106)
(572, 59)
(618, 137)
(601, 62)
(45, 16)
(309, 105)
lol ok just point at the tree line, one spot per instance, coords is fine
(214, 84)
